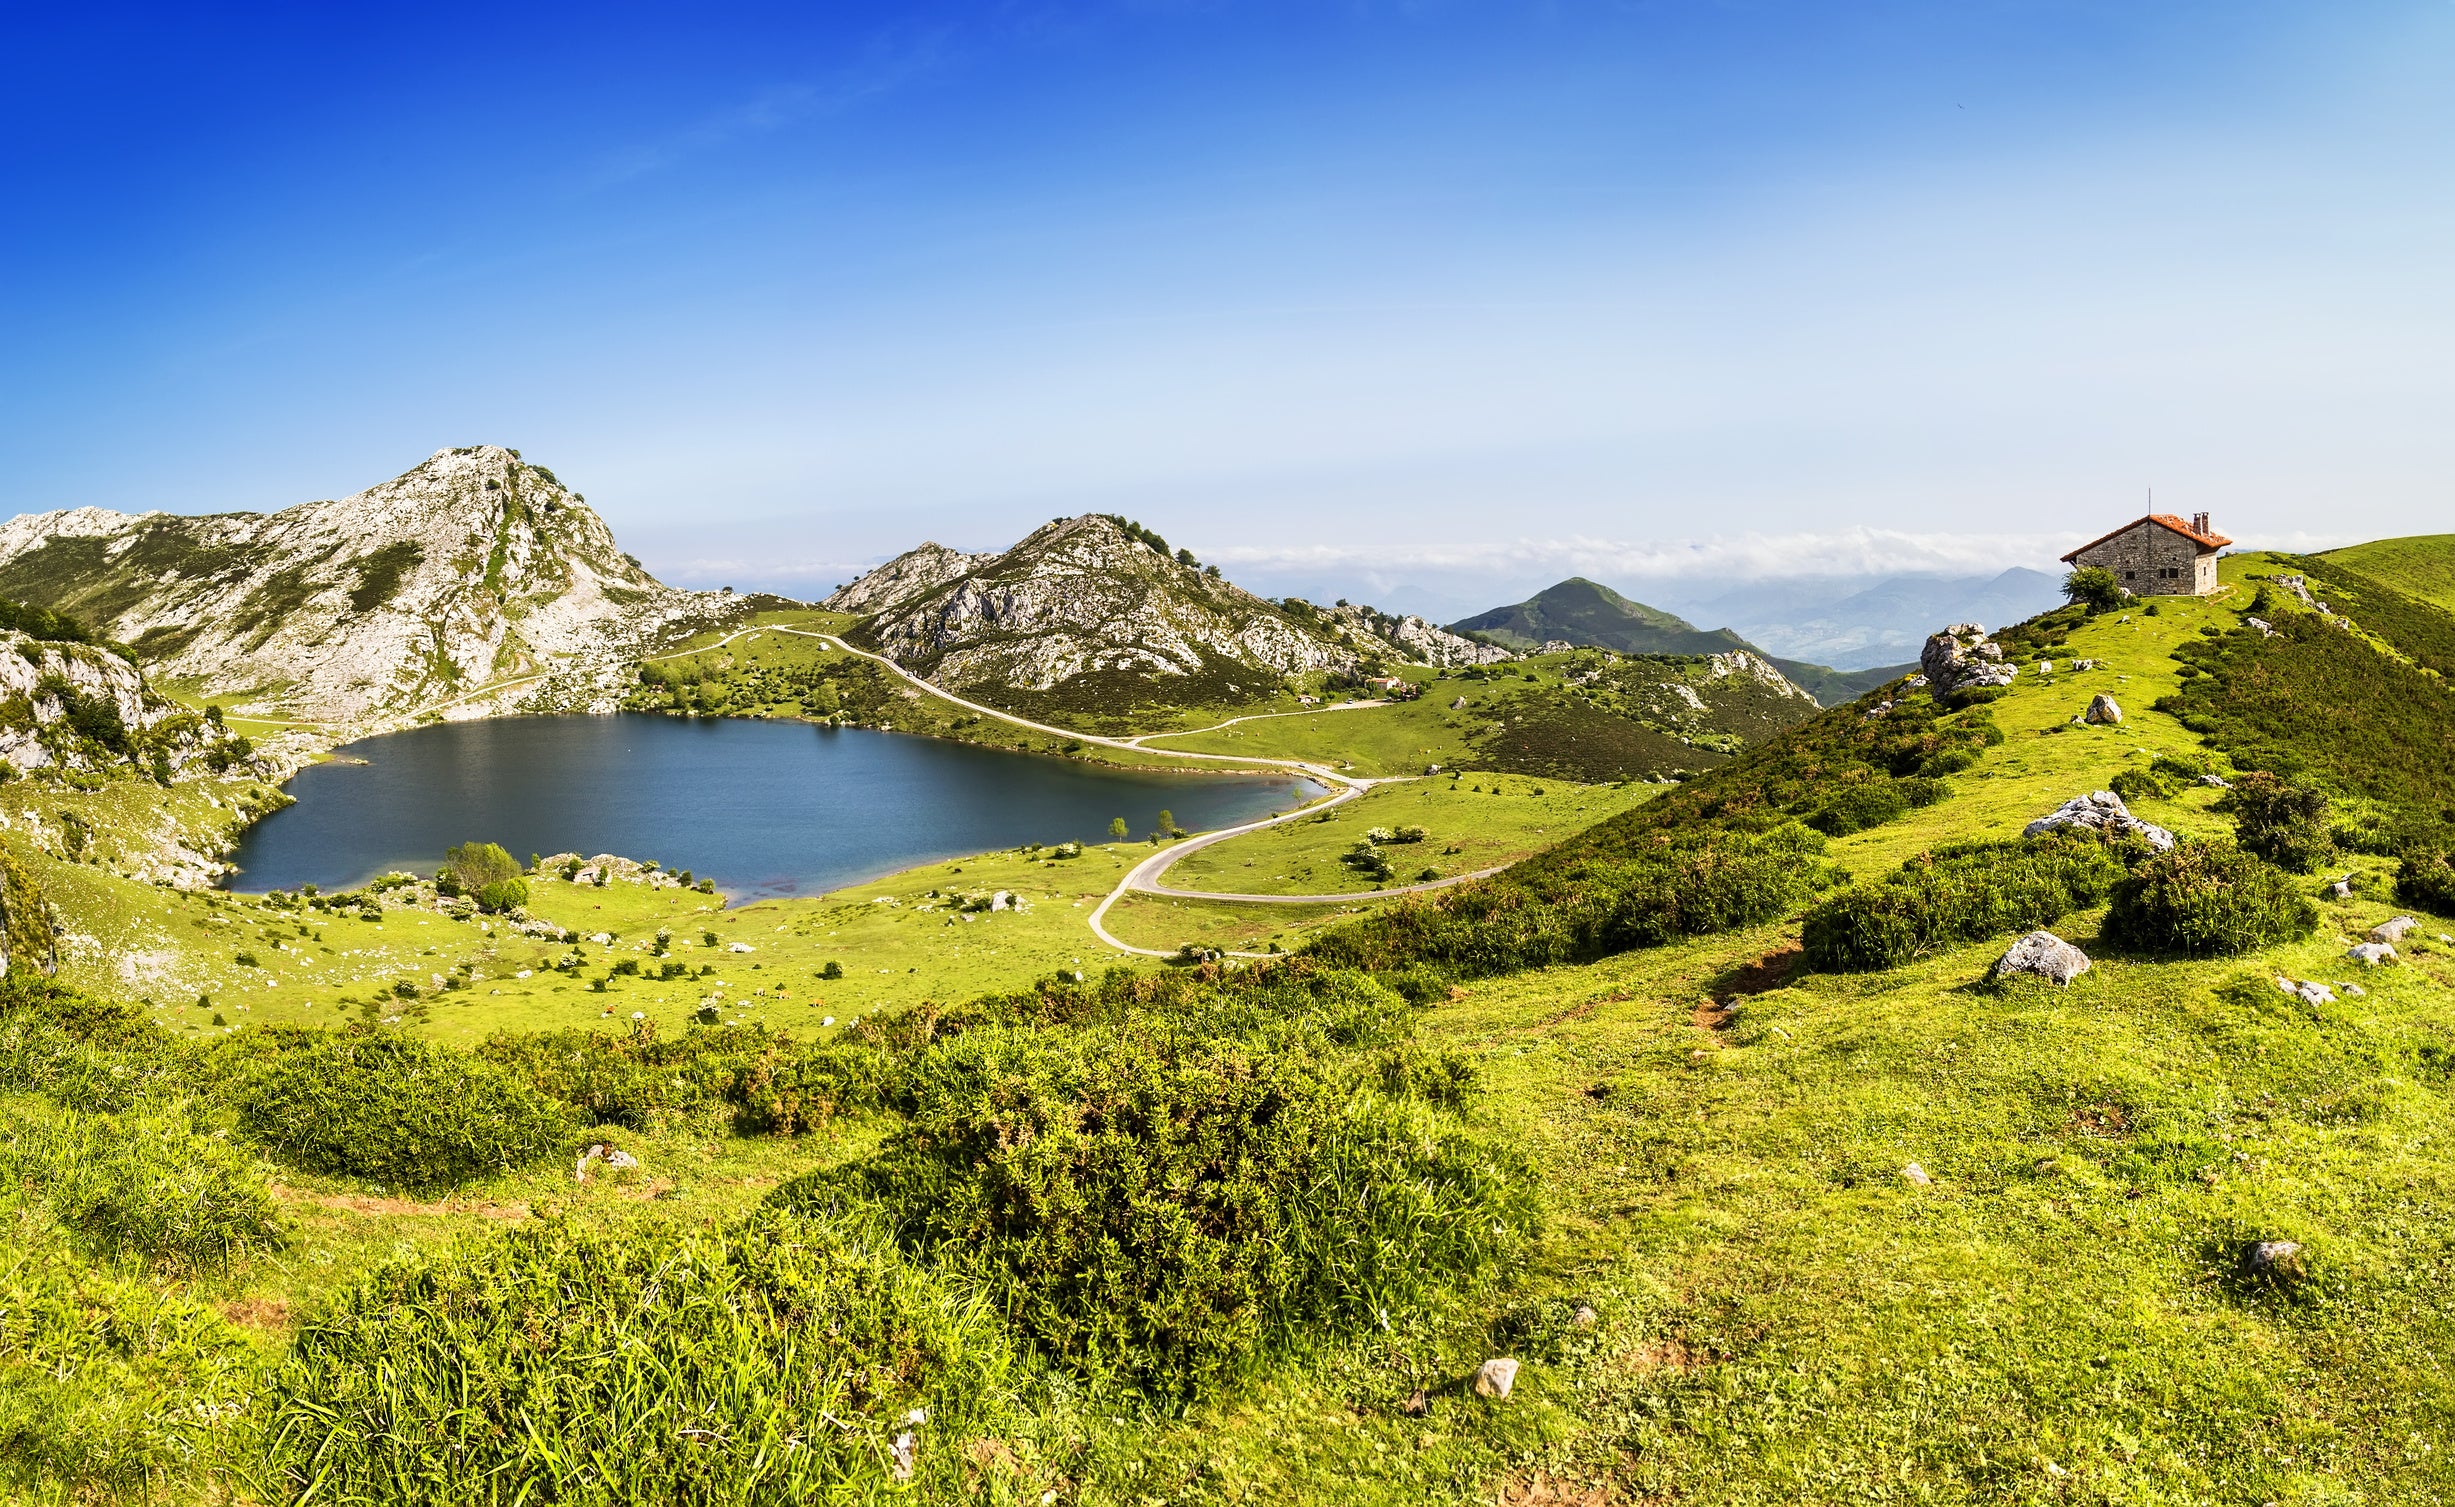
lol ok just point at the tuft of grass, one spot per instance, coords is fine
(395, 1110)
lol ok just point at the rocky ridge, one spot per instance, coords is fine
(473, 583)
(1082, 596)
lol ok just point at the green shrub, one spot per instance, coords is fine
(503, 895)
(1960, 894)
(777, 1360)
(475, 865)
(2281, 821)
(2139, 785)
(2094, 587)
(397, 1111)
(2426, 878)
(1858, 808)
(2204, 899)
(1155, 1201)
(2183, 767)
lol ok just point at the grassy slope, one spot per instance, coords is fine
(1476, 823)
(2423, 565)
(1781, 1315)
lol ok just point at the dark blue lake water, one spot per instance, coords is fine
(763, 808)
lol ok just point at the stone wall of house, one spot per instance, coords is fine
(2153, 560)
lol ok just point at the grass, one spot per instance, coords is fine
(1476, 822)
(2062, 1311)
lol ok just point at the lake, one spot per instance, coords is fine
(762, 808)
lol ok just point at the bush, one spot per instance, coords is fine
(475, 865)
(2204, 899)
(1858, 808)
(2094, 587)
(777, 1360)
(1961, 894)
(1154, 1201)
(397, 1111)
(2283, 822)
(503, 895)
(2139, 785)
(2426, 878)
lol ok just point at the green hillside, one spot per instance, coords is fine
(2422, 566)
(1709, 1117)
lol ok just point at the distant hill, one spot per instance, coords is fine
(473, 568)
(1590, 614)
(1856, 622)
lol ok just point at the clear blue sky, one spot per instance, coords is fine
(1366, 291)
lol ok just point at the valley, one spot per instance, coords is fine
(1708, 1093)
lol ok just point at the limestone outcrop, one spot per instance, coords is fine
(1961, 658)
(2100, 811)
(473, 582)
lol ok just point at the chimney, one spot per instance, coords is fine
(2199, 523)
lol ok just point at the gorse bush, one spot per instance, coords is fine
(1963, 893)
(778, 1360)
(145, 1185)
(774, 1084)
(2206, 899)
(2426, 878)
(397, 1111)
(2281, 821)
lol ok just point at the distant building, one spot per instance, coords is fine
(2158, 556)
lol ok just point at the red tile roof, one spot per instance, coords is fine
(2163, 520)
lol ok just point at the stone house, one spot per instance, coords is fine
(2158, 556)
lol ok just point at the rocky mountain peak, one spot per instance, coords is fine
(473, 573)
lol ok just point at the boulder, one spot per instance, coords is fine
(2103, 709)
(2315, 993)
(2274, 1259)
(2101, 811)
(1585, 1316)
(2342, 889)
(1960, 658)
(2044, 955)
(2370, 954)
(1916, 1175)
(2392, 931)
(1495, 1377)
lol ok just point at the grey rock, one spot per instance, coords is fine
(2216, 781)
(1457, 703)
(1960, 658)
(1495, 1377)
(2274, 1258)
(2103, 709)
(2100, 811)
(2342, 889)
(2392, 931)
(1916, 1176)
(2371, 954)
(1585, 1317)
(2043, 955)
(2313, 992)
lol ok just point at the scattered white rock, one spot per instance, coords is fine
(2371, 954)
(1916, 1175)
(1495, 1377)
(901, 1455)
(2392, 931)
(1457, 704)
(2342, 889)
(2044, 955)
(2273, 1257)
(2103, 710)
(2101, 811)
(2315, 993)
(2216, 781)
(1585, 1316)
(740, 947)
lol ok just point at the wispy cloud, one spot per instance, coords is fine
(888, 65)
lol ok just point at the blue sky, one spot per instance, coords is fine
(1452, 295)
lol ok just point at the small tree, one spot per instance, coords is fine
(2093, 587)
(2282, 822)
(1167, 822)
(1117, 830)
(475, 865)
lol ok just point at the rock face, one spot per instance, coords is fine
(2100, 811)
(473, 569)
(1083, 596)
(2103, 709)
(1960, 658)
(2044, 955)
(76, 706)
